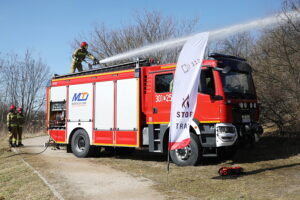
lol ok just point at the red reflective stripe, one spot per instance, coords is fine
(179, 145)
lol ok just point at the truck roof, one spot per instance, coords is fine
(119, 67)
(210, 61)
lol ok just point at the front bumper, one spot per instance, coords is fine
(226, 134)
(249, 133)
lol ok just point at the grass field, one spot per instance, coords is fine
(18, 181)
(272, 171)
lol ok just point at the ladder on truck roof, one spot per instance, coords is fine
(123, 66)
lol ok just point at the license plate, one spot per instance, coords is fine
(246, 118)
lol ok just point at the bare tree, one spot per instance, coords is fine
(148, 27)
(24, 82)
(240, 45)
(276, 57)
(2, 95)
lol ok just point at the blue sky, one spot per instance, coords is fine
(48, 27)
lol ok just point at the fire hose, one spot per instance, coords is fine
(23, 153)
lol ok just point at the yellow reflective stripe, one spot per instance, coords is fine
(209, 122)
(204, 122)
(103, 144)
(166, 67)
(116, 145)
(87, 76)
(60, 142)
(158, 122)
(125, 145)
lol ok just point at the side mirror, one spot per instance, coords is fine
(217, 97)
(226, 69)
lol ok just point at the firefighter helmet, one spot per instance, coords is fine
(83, 44)
(12, 107)
(19, 110)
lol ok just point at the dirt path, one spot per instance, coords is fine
(76, 178)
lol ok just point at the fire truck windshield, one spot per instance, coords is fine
(238, 85)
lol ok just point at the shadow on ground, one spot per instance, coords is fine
(256, 171)
(268, 148)
(143, 155)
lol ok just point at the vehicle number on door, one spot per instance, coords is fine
(163, 98)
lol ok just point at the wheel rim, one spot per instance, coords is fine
(184, 153)
(80, 143)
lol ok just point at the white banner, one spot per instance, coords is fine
(185, 90)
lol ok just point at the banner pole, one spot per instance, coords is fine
(168, 164)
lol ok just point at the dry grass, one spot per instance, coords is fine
(17, 181)
(272, 171)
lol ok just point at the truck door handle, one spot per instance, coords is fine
(154, 110)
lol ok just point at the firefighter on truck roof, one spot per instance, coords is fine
(12, 125)
(79, 55)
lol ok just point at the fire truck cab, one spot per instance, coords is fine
(128, 106)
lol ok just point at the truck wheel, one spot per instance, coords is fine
(189, 155)
(81, 144)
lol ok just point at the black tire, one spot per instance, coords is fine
(189, 155)
(81, 144)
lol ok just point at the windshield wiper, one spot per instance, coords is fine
(234, 95)
(249, 96)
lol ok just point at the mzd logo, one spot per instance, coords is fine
(80, 98)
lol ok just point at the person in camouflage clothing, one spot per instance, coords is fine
(79, 55)
(12, 125)
(20, 118)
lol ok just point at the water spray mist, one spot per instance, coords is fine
(214, 35)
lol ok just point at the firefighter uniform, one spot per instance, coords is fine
(12, 125)
(79, 55)
(20, 118)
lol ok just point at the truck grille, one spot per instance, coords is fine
(243, 115)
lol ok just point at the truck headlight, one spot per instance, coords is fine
(241, 105)
(226, 129)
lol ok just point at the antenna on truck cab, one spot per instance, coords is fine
(137, 65)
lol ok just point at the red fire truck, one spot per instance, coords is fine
(127, 106)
